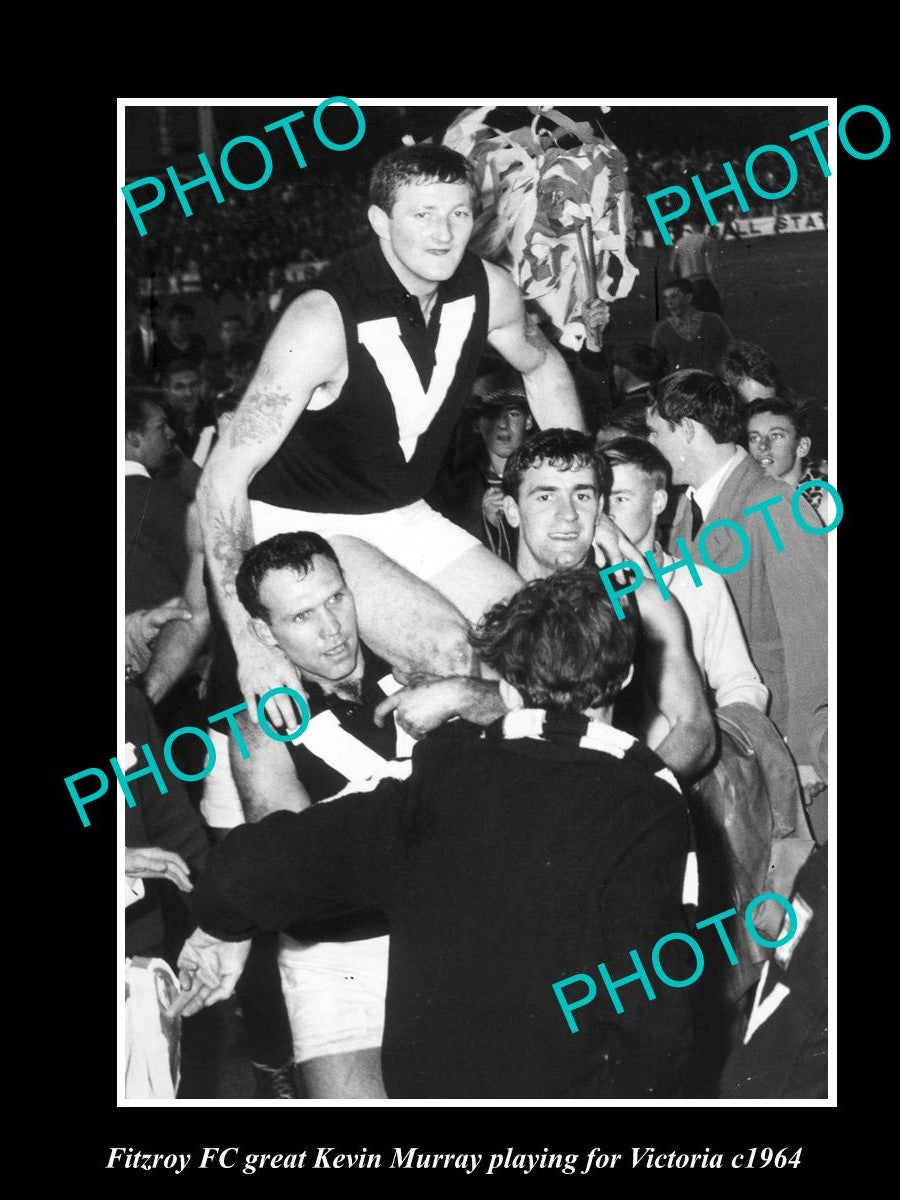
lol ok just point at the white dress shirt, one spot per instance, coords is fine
(717, 641)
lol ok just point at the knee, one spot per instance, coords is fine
(450, 652)
(457, 656)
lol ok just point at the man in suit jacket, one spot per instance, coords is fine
(780, 591)
(162, 561)
(142, 346)
(156, 557)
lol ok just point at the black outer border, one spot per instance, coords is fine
(73, 972)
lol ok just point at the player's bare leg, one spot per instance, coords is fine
(404, 620)
(410, 623)
(352, 1076)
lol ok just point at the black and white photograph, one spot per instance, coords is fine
(477, 533)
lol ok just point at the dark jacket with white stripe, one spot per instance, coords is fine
(510, 859)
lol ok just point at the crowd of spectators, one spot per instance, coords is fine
(652, 171)
(230, 247)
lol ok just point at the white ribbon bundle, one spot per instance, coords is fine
(558, 219)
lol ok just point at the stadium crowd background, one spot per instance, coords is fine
(228, 248)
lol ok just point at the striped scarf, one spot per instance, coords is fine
(575, 729)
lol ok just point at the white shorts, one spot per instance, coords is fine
(416, 537)
(334, 993)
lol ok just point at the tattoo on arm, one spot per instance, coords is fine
(231, 537)
(259, 417)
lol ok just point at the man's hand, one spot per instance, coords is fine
(492, 506)
(152, 862)
(810, 782)
(208, 970)
(611, 546)
(430, 701)
(609, 531)
(595, 315)
(142, 627)
(422, 707)
(261, 668)
(173, 610)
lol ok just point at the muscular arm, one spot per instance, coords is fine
(333, 859)
(675, 684)
(180, 642)
(422, 707)
(305, 352)
(479, 701)
(672, 676)
(266, 781)
(548, 384)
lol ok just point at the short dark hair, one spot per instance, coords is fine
(701, 397)
(744, 360)
(632, 417)
(561, 448)
(640, 360)
(417, 164)
(137, 404)
(559, 643)
(636, 452)
(285, 550)
(683, 285)
(796, 411)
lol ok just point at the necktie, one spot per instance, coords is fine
(696, 518)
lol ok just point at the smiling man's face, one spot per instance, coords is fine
(556, 513)
(426, 232)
